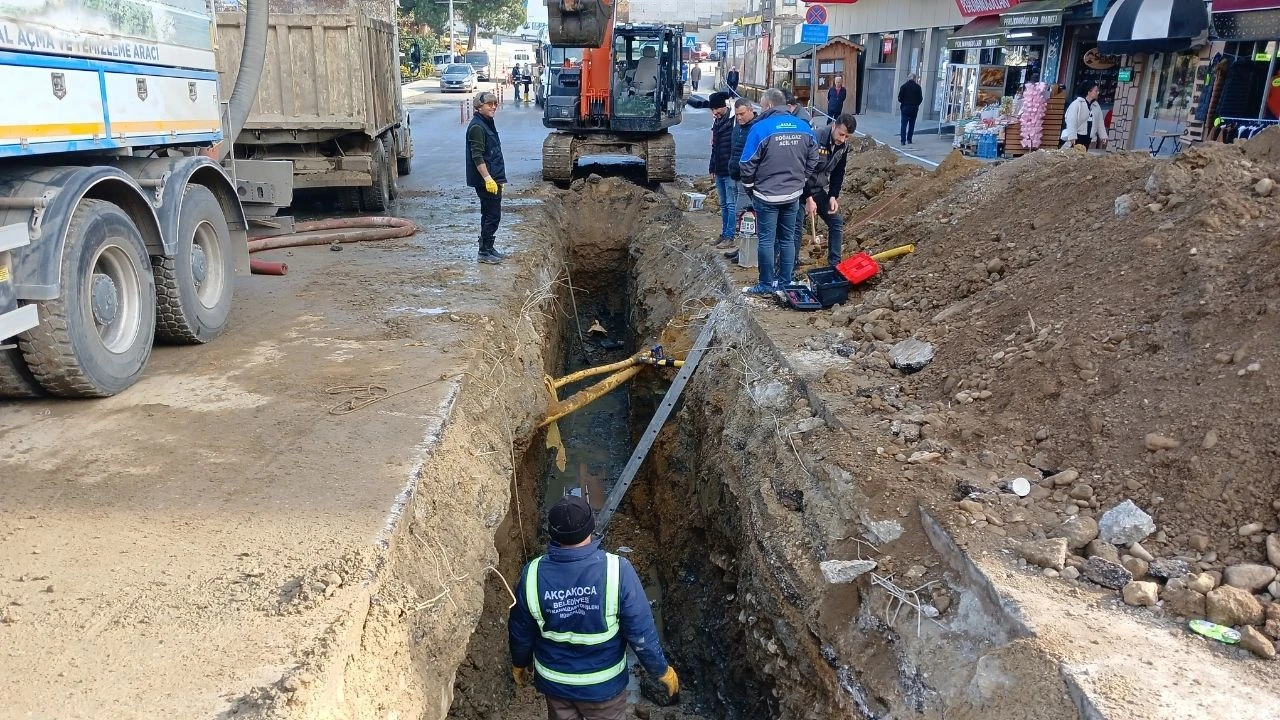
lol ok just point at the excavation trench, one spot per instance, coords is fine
(731, 513)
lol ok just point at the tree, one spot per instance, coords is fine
(428, 12)
(491, 15)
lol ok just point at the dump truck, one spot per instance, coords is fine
(120, 221)
(329, 100)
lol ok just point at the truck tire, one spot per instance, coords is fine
(16, 381)
(377, 197)
(95, 338)
(349, 199)
(193, 288)
(404, 165)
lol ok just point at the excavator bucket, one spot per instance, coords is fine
(578, 23)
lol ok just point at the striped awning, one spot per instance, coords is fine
(1152, 26)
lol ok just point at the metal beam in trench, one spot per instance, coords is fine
(659, 419)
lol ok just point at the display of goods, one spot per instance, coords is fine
(1034, 103)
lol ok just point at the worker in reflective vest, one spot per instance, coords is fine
(577, 609)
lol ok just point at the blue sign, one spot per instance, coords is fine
(814, 34)
(816, 15)
(690, 41)
(722, 42)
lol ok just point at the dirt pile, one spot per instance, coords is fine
(1105, 326)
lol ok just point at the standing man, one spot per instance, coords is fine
(745, 116)
(822, 189)
(527, 79)
(835, 99)
(514, 77)
(795, 108)
(486, 172)
(779, 156)
(721, 154)
(695, 74)
(578, 608)
(910, 97)
(731, 79)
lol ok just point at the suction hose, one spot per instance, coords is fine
(327, 232)
(252, 58)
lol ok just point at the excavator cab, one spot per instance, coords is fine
(616, 99)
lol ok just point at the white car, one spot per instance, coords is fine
(458, 77)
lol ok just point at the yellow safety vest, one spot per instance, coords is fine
(532, 599)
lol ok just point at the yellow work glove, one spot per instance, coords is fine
(670, 681)
(522, 675)
(491, 186)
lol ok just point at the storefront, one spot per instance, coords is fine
(1157, 44)
(1241, 91)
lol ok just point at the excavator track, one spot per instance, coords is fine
(557, 157)
(660, 158)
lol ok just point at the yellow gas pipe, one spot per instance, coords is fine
(623, 370)
(895, 252)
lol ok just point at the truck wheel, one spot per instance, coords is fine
(349, 199)
(404, 165)
(95, 338)
(16, 381)
(377, 197)
(193, 288)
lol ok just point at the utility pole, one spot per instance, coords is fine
(452, 41)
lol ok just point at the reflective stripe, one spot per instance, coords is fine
(594, 678)
(611, 593)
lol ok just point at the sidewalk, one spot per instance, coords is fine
(926, 148)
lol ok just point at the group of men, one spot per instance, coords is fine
(521, 76)
(774, 163)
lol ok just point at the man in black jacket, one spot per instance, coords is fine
(744, 114)
(731, 79)
(910, 97)
(721, 146)
(822, 188)
(486, 172)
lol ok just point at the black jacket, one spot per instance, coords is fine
(739, 141)
(731, 79)
(484, 145)
(722, 145)
(910, 94)
(828, 175)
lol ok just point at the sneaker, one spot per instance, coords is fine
(499, 254)
(489, 259)
(726, 243)
(760, 289)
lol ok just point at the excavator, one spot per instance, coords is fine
(613, 89)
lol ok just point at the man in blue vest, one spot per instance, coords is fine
(577, 609)
(486, 172)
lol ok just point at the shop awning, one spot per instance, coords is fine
(795, 51)
(1245, 26)
(983, 32)
(1037, 13)
(1153, 26)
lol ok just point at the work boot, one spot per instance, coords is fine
(488, 258)
(732, 256)
(500, 255)
(726, 243)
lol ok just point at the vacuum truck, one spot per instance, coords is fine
(122, 218)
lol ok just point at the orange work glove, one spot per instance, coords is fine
(522, 675)
(670, 681)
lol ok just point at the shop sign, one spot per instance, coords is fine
(1262, 57)
(1242, 5)
(1044, 19)
(886, 46)
(974, 8)
(751, 20)
(1125, 75)
(975, 43)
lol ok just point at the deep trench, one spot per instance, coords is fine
(682, 557)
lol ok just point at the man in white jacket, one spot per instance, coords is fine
(1084, 120)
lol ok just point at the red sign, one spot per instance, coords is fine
(816, 15)
(974, 8)
(1242, 5)
(886, 46)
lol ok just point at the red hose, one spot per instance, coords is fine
(328, 232)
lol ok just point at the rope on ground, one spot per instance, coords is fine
(362, 396)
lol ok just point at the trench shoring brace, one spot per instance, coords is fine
(659, 419)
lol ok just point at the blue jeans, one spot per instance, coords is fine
(835, 226)
(776, 223)
(727, 191)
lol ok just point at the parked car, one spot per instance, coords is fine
(458, 77)
(439, 62)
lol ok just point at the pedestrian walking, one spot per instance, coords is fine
(910, 98)
(779, 155)
(835, 99)
(731, 79)
(695, 74)
(577, 610)
(486, 172)
(821, 195)
(744, 114)
(721, 153)
(1081, 124)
